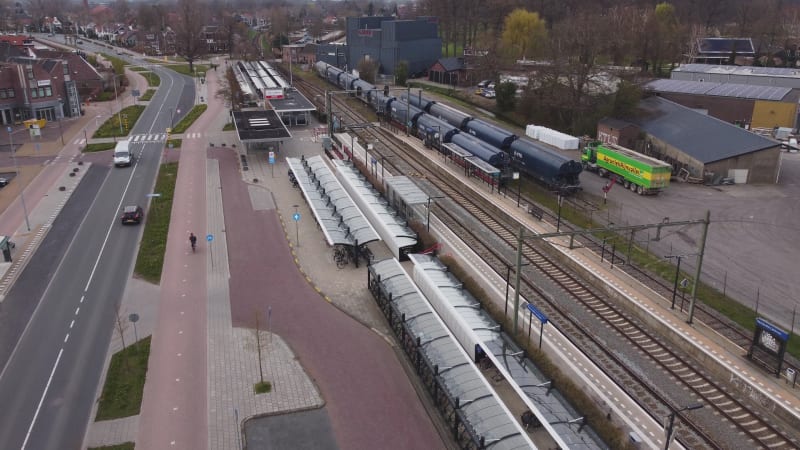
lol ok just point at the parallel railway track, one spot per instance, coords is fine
(576, 309)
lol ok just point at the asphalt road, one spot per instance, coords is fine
(48, 385)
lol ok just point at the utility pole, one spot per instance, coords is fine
(699, 265)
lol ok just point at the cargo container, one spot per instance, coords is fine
(640, 173)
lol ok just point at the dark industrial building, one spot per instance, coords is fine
(333, 54)
(698, 146)
(389, 41)
(749, 105)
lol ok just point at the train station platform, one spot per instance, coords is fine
(705, 344)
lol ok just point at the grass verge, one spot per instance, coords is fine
(114, 60)
(150, 260)
(229, 127)
(111, 128)
(152, 79)
(147, 95)
(184, 69)
(123, 446)
(176, 143)
(122, 392)
(187, 121)
(99, 147)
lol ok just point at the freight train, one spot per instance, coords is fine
(438, 124)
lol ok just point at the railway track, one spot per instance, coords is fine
(576, 308)
(703, 313)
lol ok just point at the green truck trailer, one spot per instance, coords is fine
(640, 173)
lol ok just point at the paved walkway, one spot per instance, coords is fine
(232, 364)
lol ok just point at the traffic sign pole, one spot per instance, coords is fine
(272, 163)
(296, 218)
(209, 238)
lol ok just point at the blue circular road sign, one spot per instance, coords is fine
(210, 237)
(296, 217)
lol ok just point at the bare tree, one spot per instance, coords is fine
(260, 338)
(188, 31)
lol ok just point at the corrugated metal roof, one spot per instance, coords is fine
(739, 70)
(341, 221)
(736, 90)
(403, 235)
(703, 137)
(555, 414)
(484, 410)
(407, 190)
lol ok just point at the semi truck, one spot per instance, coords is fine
(640, 173)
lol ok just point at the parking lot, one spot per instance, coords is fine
(751, 245)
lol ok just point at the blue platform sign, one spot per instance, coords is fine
(539, 315)
(296, 217)
(210, 237)
(272, 157)
(772, 329)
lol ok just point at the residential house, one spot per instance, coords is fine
(37, 88)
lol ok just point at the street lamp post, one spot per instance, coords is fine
(382, 159)
(16, 171)
(296, 227)
(428, 220)
(677, 273)
(508, 282)
(672, 421)
(116, 98)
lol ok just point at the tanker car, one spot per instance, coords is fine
(550, 168)
(491, 134)
(487, 141)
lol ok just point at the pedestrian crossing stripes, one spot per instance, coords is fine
(155, 137)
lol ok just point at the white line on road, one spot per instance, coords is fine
(66, 338)
(41, 400)
(77, 310)
(72, 323)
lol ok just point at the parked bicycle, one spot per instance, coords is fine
(341, 256)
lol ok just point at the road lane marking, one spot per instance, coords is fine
(41, 400)
(71, 324)
(66, 338)
(77, 310)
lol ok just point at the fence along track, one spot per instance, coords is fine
(734, 412)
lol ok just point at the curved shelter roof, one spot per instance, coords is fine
(484, 410)
(557, 416)
(339, 217)
(379, 208)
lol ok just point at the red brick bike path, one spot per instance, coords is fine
(370, 400)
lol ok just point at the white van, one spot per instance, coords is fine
(122, 155)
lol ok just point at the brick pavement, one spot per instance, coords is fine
(232, 352)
